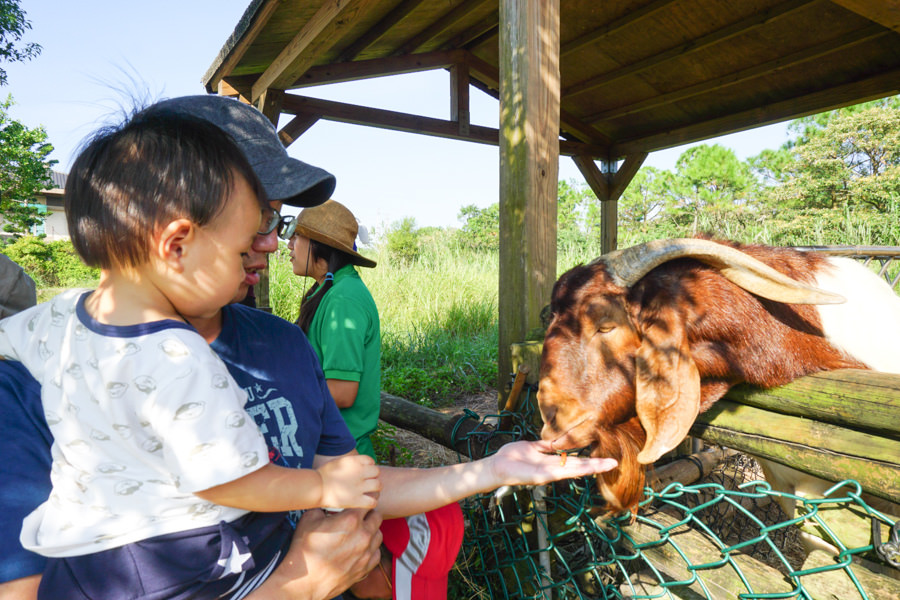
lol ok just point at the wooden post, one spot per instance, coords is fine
(269, 104)
(459, 96)
(600, 181)
(529, 167)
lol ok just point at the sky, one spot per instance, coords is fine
(99, 54)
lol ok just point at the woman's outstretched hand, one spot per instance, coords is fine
(535, 463)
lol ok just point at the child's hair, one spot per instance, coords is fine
(129, 182)
(336, 260)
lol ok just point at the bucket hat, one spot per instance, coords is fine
(283, 178)
(334, 225)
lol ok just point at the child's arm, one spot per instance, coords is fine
(350, 481)
(411, 491)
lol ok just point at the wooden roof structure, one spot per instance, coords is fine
(609, 80)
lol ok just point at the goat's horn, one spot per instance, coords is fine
(629, 265)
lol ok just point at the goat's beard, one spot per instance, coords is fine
(622, 487)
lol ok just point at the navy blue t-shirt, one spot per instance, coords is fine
(287, 394)
(24, 465)
(267, 356)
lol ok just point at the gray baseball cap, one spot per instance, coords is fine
(283, 178)
(17, 290)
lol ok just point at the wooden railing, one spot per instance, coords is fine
(884, 255)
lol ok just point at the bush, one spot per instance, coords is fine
(403, 241)
(51, 264)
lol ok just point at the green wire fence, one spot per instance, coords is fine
(722, 537)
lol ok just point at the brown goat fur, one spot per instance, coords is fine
(619, 366)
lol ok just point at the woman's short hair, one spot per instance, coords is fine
(129, 182)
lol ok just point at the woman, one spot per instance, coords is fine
(341, 321)
(338, 313)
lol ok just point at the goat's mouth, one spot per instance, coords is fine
(574, 439)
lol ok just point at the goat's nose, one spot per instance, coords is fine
(549, 414)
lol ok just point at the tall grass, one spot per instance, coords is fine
(438, 319)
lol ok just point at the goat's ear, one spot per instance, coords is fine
(667, 385)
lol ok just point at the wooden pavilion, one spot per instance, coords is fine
(604, 82)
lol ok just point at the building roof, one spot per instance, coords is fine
(59, 179)
(636, 75)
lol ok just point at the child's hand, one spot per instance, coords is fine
(350, 482)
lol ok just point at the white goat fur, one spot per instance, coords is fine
(867, 326)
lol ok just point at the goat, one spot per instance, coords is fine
(642, 340)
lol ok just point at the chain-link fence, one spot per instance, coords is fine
(725, 536)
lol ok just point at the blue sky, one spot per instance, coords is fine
(97, 54)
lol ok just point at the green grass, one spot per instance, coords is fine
(439, 310)
(438, 320)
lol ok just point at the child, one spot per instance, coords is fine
(156, 466)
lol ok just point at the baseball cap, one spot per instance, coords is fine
(17, 290)
(424, 548)
(283, 178)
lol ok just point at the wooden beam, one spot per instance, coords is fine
(596, 179)
(661, 539)
(397, 121)
(475, 34)
(529, 167)
(379, 67)
(827, 451)
(625, 20)
(242, 84)
(296, 127)
(459, 96)
(239, 41)
(884, 12)
(316, 35)
(625, 173)
(387, 119)
(735, 29)
(374, 33)
(608, 184)
(490, 75)
(836, 46)
(269, 104)
(438, 26)
(871, 88)
(458, 432)
(226, 89)
(863, 400)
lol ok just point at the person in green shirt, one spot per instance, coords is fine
(338, 314)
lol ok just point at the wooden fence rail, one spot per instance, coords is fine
(883, 255)
(836, 425)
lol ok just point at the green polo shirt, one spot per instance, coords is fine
(346, 334)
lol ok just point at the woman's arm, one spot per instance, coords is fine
(410, 491)
(343, 391)
(349, 482)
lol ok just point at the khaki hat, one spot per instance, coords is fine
(332, 224)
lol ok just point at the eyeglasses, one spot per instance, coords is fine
(271, 219)
(286, 227)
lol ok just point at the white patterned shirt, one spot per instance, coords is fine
(142, 416)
